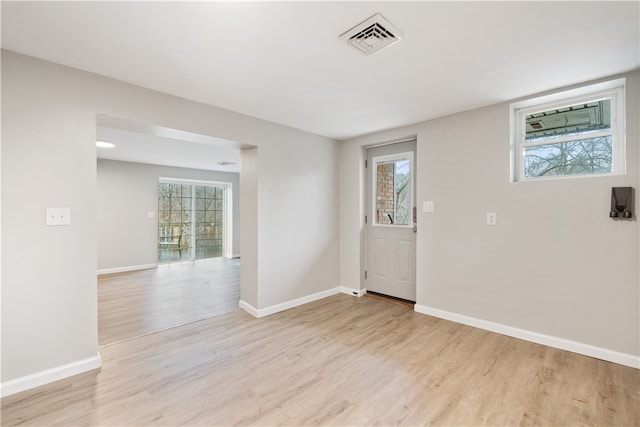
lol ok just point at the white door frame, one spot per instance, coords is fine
(370, 206)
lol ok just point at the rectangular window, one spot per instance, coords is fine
(393, 189)
(573, 133)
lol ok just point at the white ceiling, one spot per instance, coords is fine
(161, 146)
(283, 61)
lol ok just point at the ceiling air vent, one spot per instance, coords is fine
(372, 35)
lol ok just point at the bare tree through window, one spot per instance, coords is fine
(190, 221)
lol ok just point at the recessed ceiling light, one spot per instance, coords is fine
(104, 144)
(225, 163)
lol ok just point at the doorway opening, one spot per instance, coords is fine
(391, 220)
(139, 290)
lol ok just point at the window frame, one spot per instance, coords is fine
(227, 209)
(613, 90)
(408, 155)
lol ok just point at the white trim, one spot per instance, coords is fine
(263, 312)
(571, 93)
(613, 90)
(128, 268)
(227, 240)
(199, 182)
(413, 138)
(37, 379)
(233, 256)
(248, 308)
(551, 341)
(408, 155)
(352, 291)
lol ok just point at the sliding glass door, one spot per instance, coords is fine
(191, 220)
(209, 222)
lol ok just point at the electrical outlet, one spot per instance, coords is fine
(491, 218)
(428, 206)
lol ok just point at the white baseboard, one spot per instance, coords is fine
(352, 291)
(262, 312)
(27, 382)
(125, 269)
(232, 256)
(561, 343)
(248, 308)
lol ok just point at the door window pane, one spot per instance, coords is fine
(393, 192)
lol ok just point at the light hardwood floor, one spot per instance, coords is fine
(136, 303)
(339, 361)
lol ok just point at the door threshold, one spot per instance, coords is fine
(389, 298)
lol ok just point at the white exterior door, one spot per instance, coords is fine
(391, 223)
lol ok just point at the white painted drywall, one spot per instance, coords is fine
(126, 193)
(49, 273)
(249, 218)
(555, 264)
(298, 230)
(49, 160)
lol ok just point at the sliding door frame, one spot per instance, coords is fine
(227, 210)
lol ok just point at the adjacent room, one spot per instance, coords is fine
(199, 200)
(168, 228)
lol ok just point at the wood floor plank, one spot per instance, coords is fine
(342, 361)
(140, 302)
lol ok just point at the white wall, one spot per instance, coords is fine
(555, 264)
(49, 160)
(249, 217)
(126, 192)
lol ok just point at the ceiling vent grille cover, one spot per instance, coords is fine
(372, 34)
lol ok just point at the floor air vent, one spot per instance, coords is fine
(372, 34)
